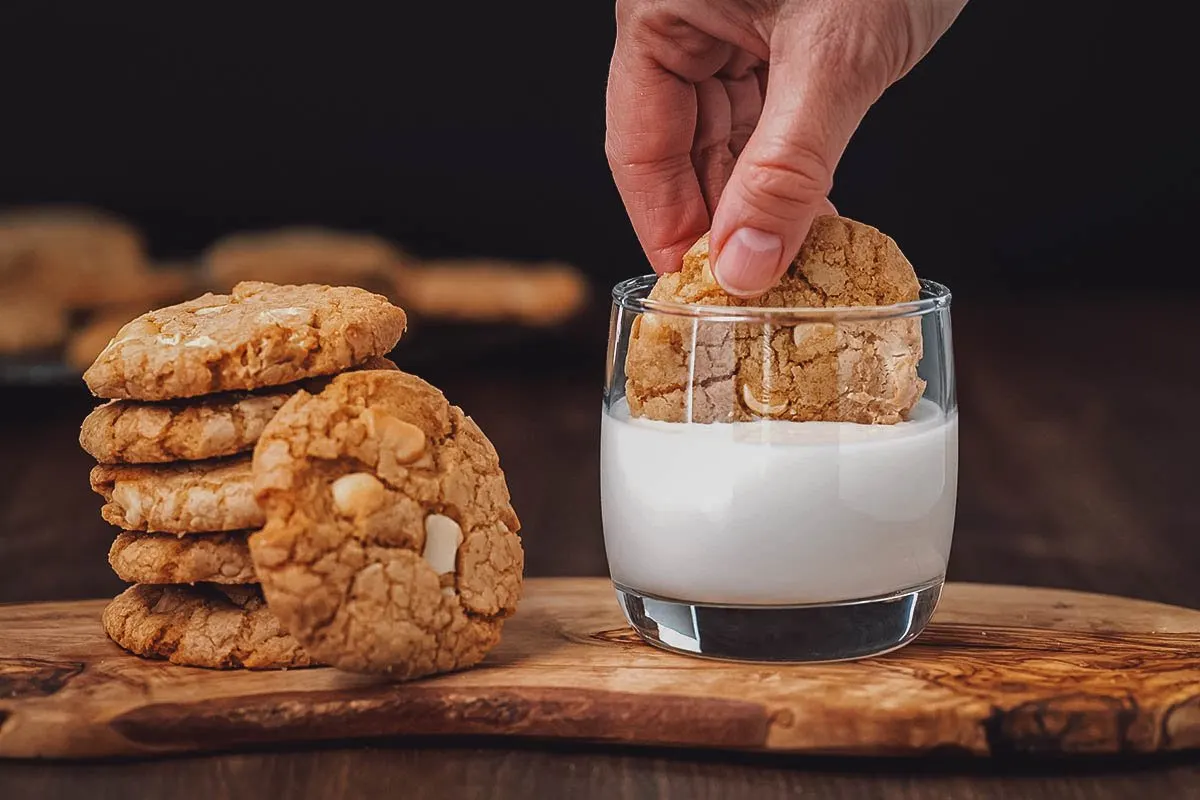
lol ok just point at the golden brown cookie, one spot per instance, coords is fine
(30, 323)
(300, 255)
(261, 335)
(132, 432)
(167, 558)
(189, 497)
(79, 257)
(390, 544)
(494, 291)
(836, 370)
(206, 625)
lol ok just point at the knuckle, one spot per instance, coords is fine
(612, 151)
(631, 12)
(864, 54)
(799, 177)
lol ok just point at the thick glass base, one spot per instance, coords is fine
(806, 633)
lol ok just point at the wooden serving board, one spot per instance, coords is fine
(1000, 670)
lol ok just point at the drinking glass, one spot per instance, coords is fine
(778, 484)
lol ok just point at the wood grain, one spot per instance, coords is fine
(1077, 471)
(1001, 670)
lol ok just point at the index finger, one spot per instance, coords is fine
(651, 123)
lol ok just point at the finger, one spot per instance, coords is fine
(652, 112)
(782, 179)
(712, 159)
(651, 120)
(741, 79)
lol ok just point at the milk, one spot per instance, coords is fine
(778, 513)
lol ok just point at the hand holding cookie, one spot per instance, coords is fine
(836, 370)
(700, 138)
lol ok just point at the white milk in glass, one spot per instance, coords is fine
(778, 513)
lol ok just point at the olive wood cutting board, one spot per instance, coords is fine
(1000, 670)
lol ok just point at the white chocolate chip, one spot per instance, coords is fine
(280, 315)
(357, 494)
(442, 538)
(405, 441)
(168, 338)
(761, 408)
(200, 341)
(208, 310)
(448, 591)
(802, 333)
(130, 502)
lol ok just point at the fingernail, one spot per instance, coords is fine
(748, 262)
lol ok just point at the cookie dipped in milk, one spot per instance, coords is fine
(778, 474)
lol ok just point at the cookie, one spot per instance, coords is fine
(494, 291)
(206, 625)
(261, 335)
(166, 558)
(686, 369)
(132, 432)
(78, 257)
(300, 255)
(30, 323)
(390, 544)
(193, 497)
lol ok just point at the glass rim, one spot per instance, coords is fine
(631, 295)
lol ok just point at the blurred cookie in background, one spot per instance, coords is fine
(490, 291)
(301, 255)
(29, 323)
(88, 340)
(75, 256)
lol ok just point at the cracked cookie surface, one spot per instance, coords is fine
(260, 335)
(189, 497)
(218, 627)
(133, 432)
(167, 558)
(681, 368)
(390, 544)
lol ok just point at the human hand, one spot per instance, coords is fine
(700, 138)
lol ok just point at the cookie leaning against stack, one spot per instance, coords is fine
(390, 544)
(191, 388)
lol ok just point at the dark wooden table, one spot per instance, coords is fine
(1078, 470)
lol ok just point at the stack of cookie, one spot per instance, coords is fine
(191, 388)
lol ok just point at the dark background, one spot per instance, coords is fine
(1044, 147)
(1040, 145)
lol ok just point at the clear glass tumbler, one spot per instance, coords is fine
(778, 484)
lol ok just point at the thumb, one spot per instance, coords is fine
(815, 98)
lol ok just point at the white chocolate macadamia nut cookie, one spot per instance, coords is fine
(259, 335)
(216, 425)
(206, 625)
(184, 497)
(390, 544)
(681, 368)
